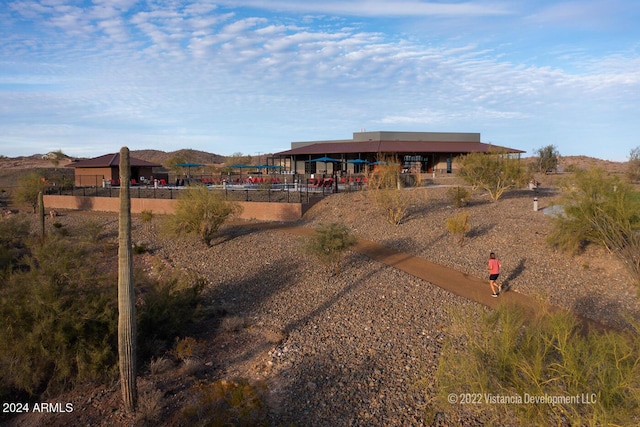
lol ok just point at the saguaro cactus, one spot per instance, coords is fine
(126, 295)
(41, 212)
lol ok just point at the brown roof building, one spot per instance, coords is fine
(93, 172)
(416, 151)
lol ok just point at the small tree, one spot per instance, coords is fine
(329, 242)
(602, 210)
(388, 191)
(633, 167)
(200, 212)
(29, 186)
(458, 225)
(547, 159)
(237, 159)
(495, 172)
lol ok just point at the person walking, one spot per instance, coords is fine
(494, 272)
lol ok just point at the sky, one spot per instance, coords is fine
(251, 76)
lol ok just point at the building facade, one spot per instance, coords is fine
(419, 152)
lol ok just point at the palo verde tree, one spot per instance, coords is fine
(29, 186)
(633, 167)
(237, 159)
(126, 293)
(603, 210)
(495, 171)
(547, 159)
(388, 190)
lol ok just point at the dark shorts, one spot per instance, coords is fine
(493, 276)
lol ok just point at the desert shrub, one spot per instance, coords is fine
(14, 231)
(329, 242)
(199, 212)
(233, 323)
(59, 317)
(504, 353)
(394, 203)
(458, 225)
(459, 196)
(91, 229)
(160, 365)
(602, 210)
(146, 217)
(165, 310)
(149, 407)
(224, 403)
(387, 187)
(59, 321)
(188, 348)
(139, 248)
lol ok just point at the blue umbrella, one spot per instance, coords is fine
(357, 161)
(326, 159)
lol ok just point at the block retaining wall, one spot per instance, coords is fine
(260, 211)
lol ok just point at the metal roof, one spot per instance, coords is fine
(110, 160)
(349, 147)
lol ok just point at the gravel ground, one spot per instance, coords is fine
(362, 348)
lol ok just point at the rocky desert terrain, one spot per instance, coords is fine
(359, 348)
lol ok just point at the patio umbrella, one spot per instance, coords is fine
(326, 159)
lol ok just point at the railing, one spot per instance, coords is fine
(278, 193)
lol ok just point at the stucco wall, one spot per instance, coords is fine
(261, 211)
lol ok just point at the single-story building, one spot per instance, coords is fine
(416, 151)
(102, 170)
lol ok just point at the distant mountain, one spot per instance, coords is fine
(186, 155)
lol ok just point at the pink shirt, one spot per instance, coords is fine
(494, 266)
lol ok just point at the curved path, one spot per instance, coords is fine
(461, 284)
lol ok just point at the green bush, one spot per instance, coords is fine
(59, 315)
(505, 354)
(199, 212)
(459, 196)
(165, 311)
(600, 209)
(14, 230)
(58, 321)
(329, 242)
(458, 225)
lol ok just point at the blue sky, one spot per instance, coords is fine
(250, 76)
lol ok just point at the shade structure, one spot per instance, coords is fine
(189, 166)
(241, 166)
(326, 159)
(357, 161)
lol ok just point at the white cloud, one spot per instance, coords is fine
(126, 71)
(378, 7)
